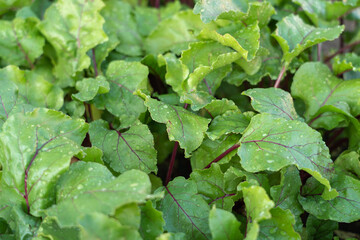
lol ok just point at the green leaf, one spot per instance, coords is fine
(311, 77)
(50, 229)
(204, 57)
(350, 162)
(124, 78)
(184, 210)
(285, 195)
(243, 39)
(182, 125)
(229, 122)
(320, 229)
(343, 208)
(89, 87)
(220, 106)
(345, 63)
(294, 36)
(152, 222)
(133, 149)
(129, 215)
(210, 150)
(258, 206)
(21, 42)
(279, 226)
(99, 226)
(211, 185)
(121, 28)
(35, 149)
(105, 197)
(224, 225)
(271, 143)
(72, 27)
(92, 154)
(175, 33)
(274, 101)
(13, 4)
(210, 10)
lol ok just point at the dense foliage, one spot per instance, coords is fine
(231, 120)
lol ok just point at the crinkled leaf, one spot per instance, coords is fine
(230, 122)
(345, 63)
(343, 208)
(224, 225)
(152, 222)
(274, 101)
(210, 10)
(211, 185)
(182, 125)
(106, 197)
(21, 42)
(220, 106)
(197, 99)
(92, 154)
(204, 57)
(294, 36)
(271, 143)
(36, 148)
(124, 78)
(317, 87)
(320, 229)
(286, 193)
(89, 87)
(210, 150)
(133, 149)
(279, 226)
(175, 33)
(72, 27)
(242, 38)
(184, 210)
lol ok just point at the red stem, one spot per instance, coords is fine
(281, 74)
(171, 165)
(221, 156)
(341, 50)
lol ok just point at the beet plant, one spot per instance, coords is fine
(124, 119)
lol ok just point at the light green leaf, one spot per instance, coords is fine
(152, 222)
(72, 27)
(133, 149)
(35, 149)
(106, 197)
(286, 193)
(320, 229)
(258, 206)
(220, 106)
(92, 154)
(229, 122)
(279, 226)
(204, 57)
(175, 33)
(294, 36)
(184, 210)
(274, 101)
(210, 10)
(7, 5)
(345, 63)
(343, 208)
(271, 143)
(21, 42)
(50, 229)
(124, 78)
(97, 226)
(210, 150)
(224, 225)
(89, 87)
(182, 125)
(197, 99)
(317, 87)
(128, 215)
(242, 38)
(211, 185)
